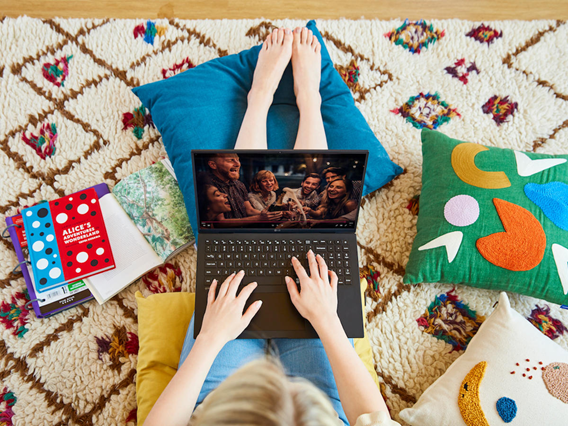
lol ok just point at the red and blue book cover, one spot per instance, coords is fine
(67, 239)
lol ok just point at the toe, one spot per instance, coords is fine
(288, 36)
(315, 42)
(275, 37)
(267, 41)
(280, 35)
(304, 35)
(297, 35)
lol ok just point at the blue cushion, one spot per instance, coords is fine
(203, 107)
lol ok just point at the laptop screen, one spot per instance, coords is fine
(238, 190)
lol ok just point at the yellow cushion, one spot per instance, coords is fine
(162, 325)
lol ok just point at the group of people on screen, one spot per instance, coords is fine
(224, 200)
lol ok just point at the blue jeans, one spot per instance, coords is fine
(300, 357)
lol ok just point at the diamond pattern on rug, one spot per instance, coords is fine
(415, 35)
(360, 74)
(461, 70)
(53, 76)
(7, 401)
(484, 34)
(426, 110)
(451, 320)
(547, 69)
(541, 318)
(500, 108)
(54, 367)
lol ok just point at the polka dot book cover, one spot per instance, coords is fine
(67, 240)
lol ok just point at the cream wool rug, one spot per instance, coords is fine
(68, 120)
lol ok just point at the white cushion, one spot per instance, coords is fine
(511, 347)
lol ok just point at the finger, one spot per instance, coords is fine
(234, 284)
(300, 271)
(314, 272)
(292, 289)
(251, 312)
(246, 292)
(211, 294)
(225, 286)
(322, 269)
(333, 280)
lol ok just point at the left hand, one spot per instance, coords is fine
(224, 319)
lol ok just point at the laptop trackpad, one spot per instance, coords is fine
(276, 313)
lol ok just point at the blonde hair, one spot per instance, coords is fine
(260, 393)
(263, 174)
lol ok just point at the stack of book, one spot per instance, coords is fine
(96, 242)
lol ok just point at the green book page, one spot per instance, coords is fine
(152, 199)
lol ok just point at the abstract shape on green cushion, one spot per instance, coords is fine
(461, 210)
(521, 247)
(463, 163)
(451, 240)
(552, 198)
(528, 167)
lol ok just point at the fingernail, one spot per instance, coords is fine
(259, 302)
(311, 252)
(241, 271)
(294, 258)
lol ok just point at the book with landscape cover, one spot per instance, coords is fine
(147, 224)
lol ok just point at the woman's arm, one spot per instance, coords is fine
(350, 205)
(223, 321)
(319, 212)
(317, 302)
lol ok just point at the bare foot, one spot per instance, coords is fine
(306, 64)
(273, 59)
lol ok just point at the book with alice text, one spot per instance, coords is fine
(67, 240)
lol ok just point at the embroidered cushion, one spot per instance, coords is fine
(161, 336)
(510, 372)
(203, 107)
(492, 218)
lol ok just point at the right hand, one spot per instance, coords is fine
(317, 299)
(266, 215)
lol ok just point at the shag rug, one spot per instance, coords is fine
(68, 120)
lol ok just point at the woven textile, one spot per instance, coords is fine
(68, 120)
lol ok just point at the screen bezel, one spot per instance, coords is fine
(274, 151)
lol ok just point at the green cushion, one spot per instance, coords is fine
(511, 192)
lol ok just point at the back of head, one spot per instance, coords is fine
(260, 393)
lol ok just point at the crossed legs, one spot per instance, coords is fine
(304, 49)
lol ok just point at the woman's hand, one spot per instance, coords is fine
(224, 319)
(317, 299)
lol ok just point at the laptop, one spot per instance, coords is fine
(257, 208)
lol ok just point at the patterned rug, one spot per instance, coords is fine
(68, 120)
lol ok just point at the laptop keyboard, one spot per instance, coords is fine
(268, 261)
